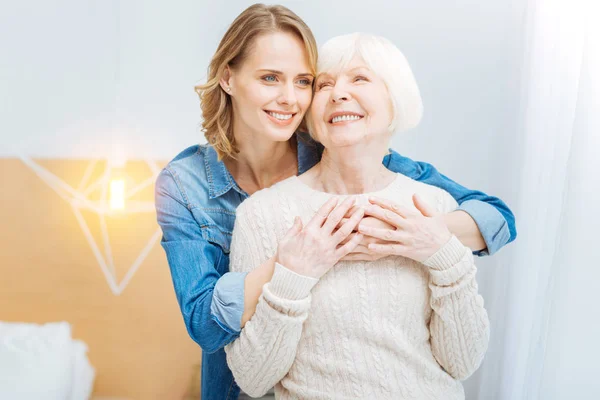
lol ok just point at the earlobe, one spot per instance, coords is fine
(226, 80)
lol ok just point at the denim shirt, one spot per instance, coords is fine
(196, 198)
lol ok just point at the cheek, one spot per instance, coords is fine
(304, 99)
(382, 108)
(258, 96)
(246, 98)
(390, 107)
(317, 109)
(315, 118)
(264, 95)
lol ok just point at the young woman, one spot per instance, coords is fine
(258, 90)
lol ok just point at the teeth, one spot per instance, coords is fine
(345, 118)
(282, 117)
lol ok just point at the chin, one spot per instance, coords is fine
(344, 139)
(280, 135)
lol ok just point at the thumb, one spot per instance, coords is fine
(424, 207)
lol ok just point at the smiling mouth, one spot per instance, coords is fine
(345, 118)
(280, 116)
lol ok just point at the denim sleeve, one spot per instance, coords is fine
(493, 217)
(228, 300)
(192, 261)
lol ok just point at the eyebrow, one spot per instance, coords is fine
(363, 68)
(274, 71)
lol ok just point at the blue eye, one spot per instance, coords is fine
(305, 82)
(270, 78)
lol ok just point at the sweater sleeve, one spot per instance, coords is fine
(266, 347)
(459, 325)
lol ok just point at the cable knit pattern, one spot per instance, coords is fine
(387, 329)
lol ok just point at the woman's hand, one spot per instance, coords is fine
(316, 248)
(362, 252)
(413, 233)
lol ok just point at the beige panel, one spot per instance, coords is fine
(138, 342)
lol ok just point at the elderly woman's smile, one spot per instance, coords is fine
(342, 117)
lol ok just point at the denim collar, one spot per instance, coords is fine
(220, 180)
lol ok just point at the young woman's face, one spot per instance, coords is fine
(272, 89)
(350, 106)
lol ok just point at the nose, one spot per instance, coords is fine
(339, 95)
(288, 95)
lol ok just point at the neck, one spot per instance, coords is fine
(351, 169)
(262, 163)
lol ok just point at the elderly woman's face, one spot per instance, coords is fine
(350, 106)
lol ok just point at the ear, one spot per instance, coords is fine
(226, 80)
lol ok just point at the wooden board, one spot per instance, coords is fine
(137, 340)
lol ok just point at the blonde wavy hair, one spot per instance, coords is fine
(216, 106)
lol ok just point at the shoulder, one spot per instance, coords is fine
(186, 176)
(186, 162)
(260, 222)
(396, 162)
(266, 200)
(433, 195)
(189, 161)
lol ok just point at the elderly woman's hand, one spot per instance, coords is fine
(362, 252)
(415, 233)
(316, 248)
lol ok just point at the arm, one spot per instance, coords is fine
(236, 294)
(255, 280)
(494, 220)
(192, 261)
(459, 325)
(464, 227)
(266, 347)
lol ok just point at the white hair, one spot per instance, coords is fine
(386, 61)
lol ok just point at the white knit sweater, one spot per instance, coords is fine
(387, 329)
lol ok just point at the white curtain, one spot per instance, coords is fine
(545, 299)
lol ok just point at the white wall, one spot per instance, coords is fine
(81, 77)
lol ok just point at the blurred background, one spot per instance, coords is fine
(97, 96)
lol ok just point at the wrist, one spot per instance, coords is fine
(439, 242)
(447, 255)
(292, 265)
(289, 284)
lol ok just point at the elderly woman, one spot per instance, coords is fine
(406, 326)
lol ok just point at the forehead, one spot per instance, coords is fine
(280, 51)
(354, 64)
